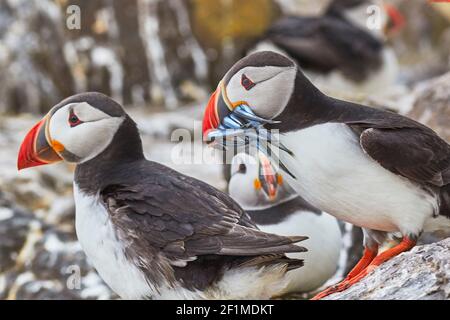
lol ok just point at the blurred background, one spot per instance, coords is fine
(161, 59)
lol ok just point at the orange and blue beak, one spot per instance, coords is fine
(227, 119)
(36, 149)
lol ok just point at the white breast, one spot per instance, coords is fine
(334, 174)
(98, 240)
(324, 245)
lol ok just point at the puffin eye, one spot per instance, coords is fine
(242, 168)
(246, 82)
(74, 120)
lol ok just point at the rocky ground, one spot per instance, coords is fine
(420, 274)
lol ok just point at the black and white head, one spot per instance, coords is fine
(255, 183)
(76, 130)
(255, 102)
(257, 87)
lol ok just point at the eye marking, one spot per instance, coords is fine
(74, 120)
(242, 168)
(246, 82)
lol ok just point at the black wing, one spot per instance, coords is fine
(415, 153)
(327, 43)
(181, 218)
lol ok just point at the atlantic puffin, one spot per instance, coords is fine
(152, 232)
(375, 169)
(261, 191)
(338, 51)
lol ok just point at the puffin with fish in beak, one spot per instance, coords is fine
(150, 231)
(375, 169)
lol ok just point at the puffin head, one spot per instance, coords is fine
(75, 130)
(255, 182)
(252, 93)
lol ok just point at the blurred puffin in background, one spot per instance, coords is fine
(343, 51)
(275, 208)
(375, 169)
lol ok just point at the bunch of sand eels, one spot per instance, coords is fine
(302, 160)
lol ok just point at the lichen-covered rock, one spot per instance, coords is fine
(420, 274)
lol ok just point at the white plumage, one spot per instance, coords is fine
(334, 174)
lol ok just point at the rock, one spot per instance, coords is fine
(46, 263)
(432, 106)
(138, 52)
(420, 274)
(14, 229)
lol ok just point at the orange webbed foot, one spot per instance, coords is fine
(366, 265)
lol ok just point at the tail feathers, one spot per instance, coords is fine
(243, 241)
(272, 252)
(270, 260)
(293, 264)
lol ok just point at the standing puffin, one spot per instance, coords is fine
(373, 168)
(259, 189)
(337, 51)
(152, 232)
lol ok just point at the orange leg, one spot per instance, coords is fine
(403, 246)
(368, 256)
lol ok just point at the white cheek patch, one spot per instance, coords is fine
(88, 139)
(269, 97)
(87, 113)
